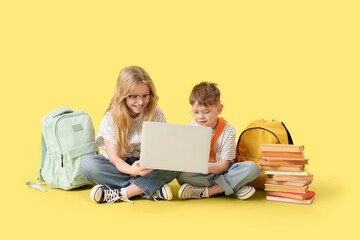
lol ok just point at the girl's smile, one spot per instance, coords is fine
(138, 99)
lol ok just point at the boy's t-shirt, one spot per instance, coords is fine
(225, 145)
(107, 131)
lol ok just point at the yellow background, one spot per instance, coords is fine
(294, 61)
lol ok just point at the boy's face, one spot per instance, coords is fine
(206, 115)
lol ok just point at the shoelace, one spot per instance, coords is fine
(156, 195)
(111, 196)
(196, 192)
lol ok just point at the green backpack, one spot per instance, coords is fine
(67, 136)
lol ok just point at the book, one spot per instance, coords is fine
(303, 173)
(292, 177)
(288, 180)
(283, 159)
(288, 168)
(284, 188)
(281, 148)
(283, 154)
(274, 161)
(300, 183)
(289, 200)
(299, 196)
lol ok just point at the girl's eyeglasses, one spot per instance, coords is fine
(136, 98)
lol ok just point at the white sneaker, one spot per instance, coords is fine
(245, 192)
(163, 193)
(105, 194)
(187, 191)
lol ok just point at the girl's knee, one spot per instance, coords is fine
(88, 164)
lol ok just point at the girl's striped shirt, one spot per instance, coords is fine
(107, 131)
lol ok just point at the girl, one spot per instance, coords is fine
(117, 172)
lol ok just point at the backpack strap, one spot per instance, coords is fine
(43, 150)
(237, 146)
(35, 185)
(288, 134)
(40, 179)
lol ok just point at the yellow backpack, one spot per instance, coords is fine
(259, 132)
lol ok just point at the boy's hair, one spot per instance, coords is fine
(206, 94)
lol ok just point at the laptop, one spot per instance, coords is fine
(175, 147)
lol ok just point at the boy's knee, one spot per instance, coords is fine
(252, 168)
(191, 178)
(181, 178)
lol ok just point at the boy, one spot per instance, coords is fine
(223, 175)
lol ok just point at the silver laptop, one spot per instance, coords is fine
(175, 147)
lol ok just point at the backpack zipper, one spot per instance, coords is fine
(56, 134)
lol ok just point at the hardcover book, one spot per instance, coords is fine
(289, 168)
(284, 188)
(303, 173)
(298, 196)
(283, 154)
(281, 148)
(274, 161)
(293, 177)
(300, 183)
(289, 200)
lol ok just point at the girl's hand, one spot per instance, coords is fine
(137, 170)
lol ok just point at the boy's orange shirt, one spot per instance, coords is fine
(217, 131)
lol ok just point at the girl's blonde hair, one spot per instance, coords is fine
(128, 78)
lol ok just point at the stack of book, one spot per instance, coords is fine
(288, 180)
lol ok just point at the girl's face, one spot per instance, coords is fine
(138, 99)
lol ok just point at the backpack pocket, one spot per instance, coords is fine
(72, 163)
(53, 172)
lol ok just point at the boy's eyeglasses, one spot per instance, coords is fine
(206, 113)
(136, 98)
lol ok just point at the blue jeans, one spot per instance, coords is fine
(238, 174)
(99, 170)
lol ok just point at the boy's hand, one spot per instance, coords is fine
(137, 170)
(209, 169)
(219, 167)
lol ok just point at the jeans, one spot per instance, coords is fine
(99, 170)
(238, 174)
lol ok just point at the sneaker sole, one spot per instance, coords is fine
(94, 193)
(168, 192)
(181, 190)
(247, 195)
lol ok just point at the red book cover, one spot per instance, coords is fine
(292, 195)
